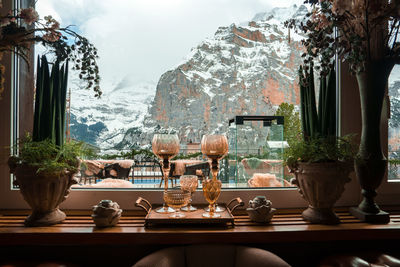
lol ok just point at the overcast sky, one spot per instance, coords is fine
(141, 39)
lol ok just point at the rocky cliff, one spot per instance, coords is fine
(242, 70)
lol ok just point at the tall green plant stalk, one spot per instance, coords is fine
(50, 102)
(322, 123)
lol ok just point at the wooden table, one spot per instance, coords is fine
(287, 233)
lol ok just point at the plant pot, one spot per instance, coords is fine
(370, 165)
(321, 185)
(44, 193)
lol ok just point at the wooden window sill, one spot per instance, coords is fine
(286, 226)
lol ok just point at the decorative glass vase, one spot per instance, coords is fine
(165, 147)
(214, 147)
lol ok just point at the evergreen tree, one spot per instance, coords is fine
(292, 125)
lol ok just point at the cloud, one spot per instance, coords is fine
(141, 39)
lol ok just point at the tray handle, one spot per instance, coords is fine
(139, 204)
(239, 201)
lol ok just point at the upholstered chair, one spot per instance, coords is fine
(211, 256)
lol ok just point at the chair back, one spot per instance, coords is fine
(202, 170)
(212, 255)
(147, 169)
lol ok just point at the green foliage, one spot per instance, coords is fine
(129, 155)
(393, 168)
(292, 125)
(147, 153)
(48, 157)
(321, 149)
(320, 143)
(394, 121)
(395, 162)
(50, 102)
(20, 30)
(321, 123)
(188, 156)
(82, 53)
(46, 149)
(265, 155)
(357, 31)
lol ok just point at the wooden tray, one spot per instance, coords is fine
(192, 218)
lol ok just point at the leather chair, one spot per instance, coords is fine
(115, 170)
(202, 170)
(211, 256)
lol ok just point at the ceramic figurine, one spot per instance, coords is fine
(106, 213)
(260, 209)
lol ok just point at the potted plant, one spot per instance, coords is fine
(367, 38)
(320, 160)
(46, 165)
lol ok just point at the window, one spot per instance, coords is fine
(186, 78)
(79, 198)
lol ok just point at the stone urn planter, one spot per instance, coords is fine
(44, 194)
(321, 185)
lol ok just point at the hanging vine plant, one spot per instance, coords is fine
(20, 30)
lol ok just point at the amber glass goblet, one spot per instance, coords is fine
(189, 183)
(215, 147)
(165, 147)
(176, 199)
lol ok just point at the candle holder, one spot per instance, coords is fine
(215, 147)
(165, 147)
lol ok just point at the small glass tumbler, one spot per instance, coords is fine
(176, 199)
(189, 183)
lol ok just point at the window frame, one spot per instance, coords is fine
(349, 122)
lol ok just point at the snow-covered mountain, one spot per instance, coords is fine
(104, 122)
(245, 69)
(241, 70)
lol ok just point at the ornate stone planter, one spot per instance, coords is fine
(321, 185)
(43, 194)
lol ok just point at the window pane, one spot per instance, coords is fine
(394, 125)
(187, 67)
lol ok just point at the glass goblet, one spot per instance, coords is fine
(189, 183)
(176, 199)
(165, 147)
(211, 192)
(215, 147)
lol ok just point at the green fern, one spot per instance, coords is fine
(46, 149)
(48, 157)
(321, 149)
